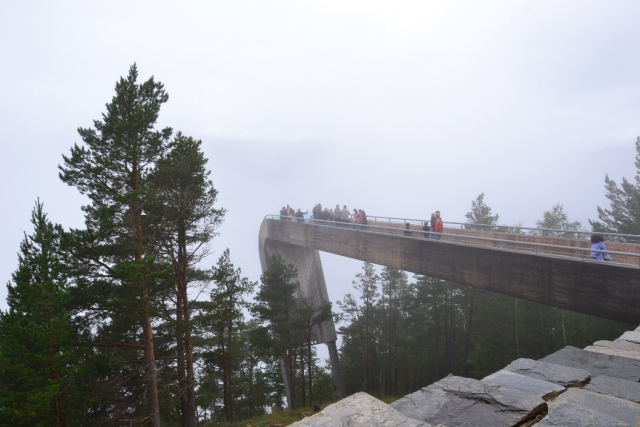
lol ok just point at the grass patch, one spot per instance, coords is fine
(388, 399)
(284, 418)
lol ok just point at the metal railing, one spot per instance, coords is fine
(584, 254)
(515, 229)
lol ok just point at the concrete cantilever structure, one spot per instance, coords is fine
(312, 289)
(600, 289)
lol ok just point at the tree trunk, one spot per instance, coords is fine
(310, 360)
(182, 273)
(564, 331)
(516, 332)
(151, 374)
(153, 408)
(544, 341)
(57, 405)
(181, 358)
(292, 381)
(469, 327)
(302, 381)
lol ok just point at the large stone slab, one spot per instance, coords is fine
(615, 387)
(631, 336)
(595, 363)
(568, 415)
(613, 351)
(464, 402)
(614, 407)
(537, 387)
(618, 343)
(362, 410)
(557, 374)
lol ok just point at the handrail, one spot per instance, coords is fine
(510, 228)
(536, 248)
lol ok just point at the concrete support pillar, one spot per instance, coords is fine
(335, 369)
(312, 288)
(287, 383)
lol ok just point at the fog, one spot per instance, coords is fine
(397, 108)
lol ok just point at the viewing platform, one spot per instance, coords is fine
(551, 267)
(550, 270)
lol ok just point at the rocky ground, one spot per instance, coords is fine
(595, 387)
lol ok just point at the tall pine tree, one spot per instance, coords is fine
(112, 168)
(37, 335)
(184, 220)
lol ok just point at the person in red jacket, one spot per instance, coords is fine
(439, 226)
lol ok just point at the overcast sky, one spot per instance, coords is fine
(399, 108)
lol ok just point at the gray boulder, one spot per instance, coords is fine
(596, 363)
(557, 374)
(464, 402)
(537, 387)
(622, 410)
(362, 410)
(568, 415)
(629, 390)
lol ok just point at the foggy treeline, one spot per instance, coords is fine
(402, 333)
(119, 323)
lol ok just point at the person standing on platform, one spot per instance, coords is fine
(337, 215)
(439, 227)
(300, 215)
(597, 244)
(433, 225)
(344, 214)
(426, 230)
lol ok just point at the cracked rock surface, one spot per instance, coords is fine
(360, 409)
(596, 363)
(534, 386)
(615, 387)
(631, 336)
(557, 374)
(465, 402)
(568, 415)
(613, 351)
(622, 410)
(619, 344)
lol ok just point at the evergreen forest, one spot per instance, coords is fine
(121, 323)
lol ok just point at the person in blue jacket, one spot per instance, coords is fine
(597, 243)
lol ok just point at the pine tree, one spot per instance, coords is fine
(183, 220)
(481, 214)
(37, 335)
(623, 217)
(311, 317)
(558, 219)
(114, 257)
(226, 319)
(274, 310)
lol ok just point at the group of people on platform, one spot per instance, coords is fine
(337, 215)
(433, 231)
